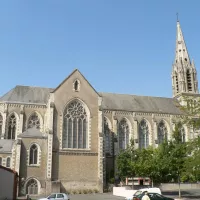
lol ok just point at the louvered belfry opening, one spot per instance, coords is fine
(189, 81)
(177, 89)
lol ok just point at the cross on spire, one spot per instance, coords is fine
(177, 17)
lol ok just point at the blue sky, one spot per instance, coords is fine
(121, 46)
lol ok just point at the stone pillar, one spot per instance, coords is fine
(155, 134)
(50, 142)
(135, 131)
(100, 148)
(172, 127)
(21, 119)
(4, 122)
(18, 154)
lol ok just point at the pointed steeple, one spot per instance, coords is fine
(184, 75)
(181, 49)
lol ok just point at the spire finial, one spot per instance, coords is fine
(177, 17)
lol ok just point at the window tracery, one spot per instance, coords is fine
(75, 126)
(12, 127)
(32, 187)
(124, 133)
(162, 132)
(143, 134)
(34, 121)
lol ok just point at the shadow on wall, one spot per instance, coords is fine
(56, 143)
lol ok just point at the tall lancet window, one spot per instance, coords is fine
(124, 133)
(182, 134)
(34, 121)
(75, 126)
(189, 80)
(176, 82)
(143, 134)
(108, 137)
(33, 157)
(1, 125)
(12, 122)
(162, 132)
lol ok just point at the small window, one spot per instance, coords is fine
(0, 160)
(185, 59)
(60, 196)
(8, 162)
(179, 50)
(76, 85)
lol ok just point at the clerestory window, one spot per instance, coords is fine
(12, 122)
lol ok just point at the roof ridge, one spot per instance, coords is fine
(134, 95)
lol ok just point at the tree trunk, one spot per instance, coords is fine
(179, 187)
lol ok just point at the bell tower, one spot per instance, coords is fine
(184, 74)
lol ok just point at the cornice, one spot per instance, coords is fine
(76, 153)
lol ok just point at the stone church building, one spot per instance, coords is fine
(65, 138)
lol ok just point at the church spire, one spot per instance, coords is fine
(181, 49)
(184, 75)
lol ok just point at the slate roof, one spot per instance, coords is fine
(27, 94)
(111, 101)
(6, 146)
(32, 133)
(126, 102)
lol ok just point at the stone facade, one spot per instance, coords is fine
(67, 138)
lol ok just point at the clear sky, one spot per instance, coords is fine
(120, 46)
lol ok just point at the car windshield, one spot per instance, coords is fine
(51, 196)
(138, 193)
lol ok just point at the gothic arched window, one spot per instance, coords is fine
(32, 187)
(12, 127)
(8, 162)
(182, 134)
(34, 121)
(162, 132)
(1, 125)
(108, 138)
(33, 155)
(75, 126)
(124, 132)
(143, 134)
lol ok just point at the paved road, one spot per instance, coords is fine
(186, 195)
(104, 196)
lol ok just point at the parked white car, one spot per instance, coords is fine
(140, 191)
(57, 196)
